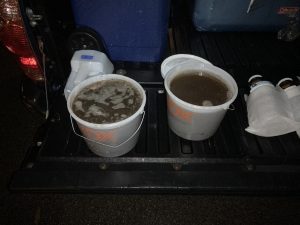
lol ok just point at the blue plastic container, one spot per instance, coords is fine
(243, 15)
(132, 30)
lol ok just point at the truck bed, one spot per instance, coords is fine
(232, 161)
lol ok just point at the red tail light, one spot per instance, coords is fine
(14, 37)
(29, 61)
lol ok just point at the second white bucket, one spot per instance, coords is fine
(190, 121)
(113, 139)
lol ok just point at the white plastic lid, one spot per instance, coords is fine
(177, 59)
(260, 84)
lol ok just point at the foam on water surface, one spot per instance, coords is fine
(107, 101)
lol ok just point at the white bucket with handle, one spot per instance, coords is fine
(112, 139)
(190, 121)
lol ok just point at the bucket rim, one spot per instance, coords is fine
(224, 106)
(98, 78)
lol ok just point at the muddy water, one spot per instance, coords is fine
(107, 101)
(199, 88)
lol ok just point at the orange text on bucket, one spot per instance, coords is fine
(178, 112)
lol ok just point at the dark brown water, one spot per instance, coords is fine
(199, 88)
(107, 101)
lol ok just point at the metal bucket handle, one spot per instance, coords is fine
(111, 146)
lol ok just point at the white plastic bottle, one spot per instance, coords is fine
(269, 113)
(292, 92)
(85, 64)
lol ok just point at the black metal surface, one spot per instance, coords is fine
(231, 161)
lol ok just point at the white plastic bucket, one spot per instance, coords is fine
(113, 139)
(190, 121)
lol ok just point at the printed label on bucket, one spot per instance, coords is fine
(99, 136)
(179, 112)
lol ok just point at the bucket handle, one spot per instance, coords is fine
(111, 146)
(231, 107)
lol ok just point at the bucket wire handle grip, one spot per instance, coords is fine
(111, 146)
(231, 107)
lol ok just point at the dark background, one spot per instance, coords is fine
(17, 127)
